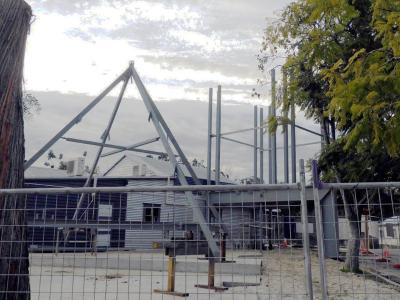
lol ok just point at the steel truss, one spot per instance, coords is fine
(166, 137)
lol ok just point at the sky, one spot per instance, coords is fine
(180, 48)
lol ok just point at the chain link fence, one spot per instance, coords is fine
(285, 241)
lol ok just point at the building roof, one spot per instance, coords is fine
(41, 172)
(156, 167)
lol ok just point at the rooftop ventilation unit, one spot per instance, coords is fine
(76, 167)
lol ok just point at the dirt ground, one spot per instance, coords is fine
(282, 278)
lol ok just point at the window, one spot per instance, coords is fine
(151, 213)
(105, 211)
(389, 231)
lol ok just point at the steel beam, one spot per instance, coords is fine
(218, 138)
(166, 136)
(101, 147)
(261, 148)
(285, 131)
(77, 119)
(270, 180)
(114, 165)
(293, 139)
(273, 134)
(146, 142)
(255, 144)
(209, 134)
(111, 146)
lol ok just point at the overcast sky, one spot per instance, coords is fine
(180, 49)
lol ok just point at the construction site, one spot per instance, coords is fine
(143, 220)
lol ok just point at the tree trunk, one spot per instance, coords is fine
(15, 16)
(352, 263)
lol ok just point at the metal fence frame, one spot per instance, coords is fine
(297, 187)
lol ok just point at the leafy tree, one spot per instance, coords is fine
(343, 64)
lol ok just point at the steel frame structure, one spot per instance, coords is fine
(165, 135)
(260, 128)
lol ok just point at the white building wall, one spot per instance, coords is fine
(174, 209)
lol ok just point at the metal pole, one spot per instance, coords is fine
(261, 145)
(255, 144)
(111, 146)
(293, 138)
(320, 239)
(166, 136)
(209, 135)
(306, 236)
(100, 150)
(285, 130)
(218, 138)
(76, 120)
(136, 145)
(273, 134)
(270, 181)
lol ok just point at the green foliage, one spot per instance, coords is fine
(343, 63)
(365, 89)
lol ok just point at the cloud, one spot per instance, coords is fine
(199, 41)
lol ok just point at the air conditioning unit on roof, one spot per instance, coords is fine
(76, 167)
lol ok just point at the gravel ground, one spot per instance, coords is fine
(283, 278)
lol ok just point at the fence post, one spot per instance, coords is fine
(306, 236)
(320, 236)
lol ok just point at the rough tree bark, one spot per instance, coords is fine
(15, 18)
(352, 262)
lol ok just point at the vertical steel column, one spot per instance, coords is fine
(270, 181)
(218, 138)
(273, 134)
(293, 138)
(285, 130)
(209, 137)
(306, 236)
(255, 144)
(261, 145)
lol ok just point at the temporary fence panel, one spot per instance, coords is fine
(142, 242)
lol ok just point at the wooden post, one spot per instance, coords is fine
(223, 247)
(171, 280)
(211, 273)
(211, 279)
(171, 274)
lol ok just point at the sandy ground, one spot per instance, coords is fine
(283, 278)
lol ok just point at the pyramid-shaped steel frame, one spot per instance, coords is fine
(165, 136)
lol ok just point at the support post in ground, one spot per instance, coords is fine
(261, 145)
(211, 279)
(171, 280)
(305, 235)
(255, 144)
